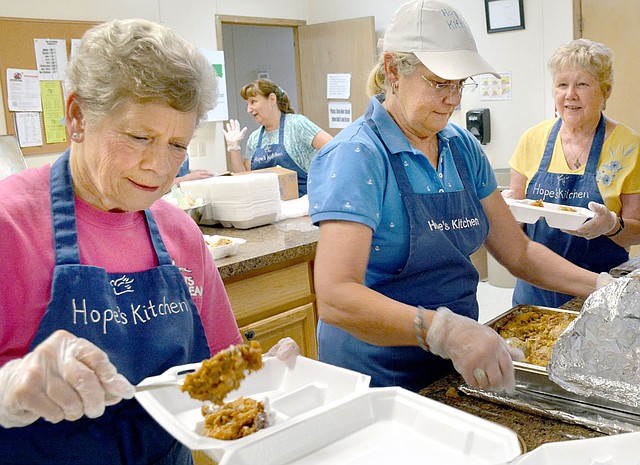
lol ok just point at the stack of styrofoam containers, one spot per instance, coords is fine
(241, 202)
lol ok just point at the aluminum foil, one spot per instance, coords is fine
(591, 416)
(599, 353)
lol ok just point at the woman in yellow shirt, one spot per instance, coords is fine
(581, 159)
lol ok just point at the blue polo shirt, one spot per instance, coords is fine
(351, 179)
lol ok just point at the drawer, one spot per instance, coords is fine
(298, 323)
(265, 294)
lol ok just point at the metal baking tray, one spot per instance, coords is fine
(535, 379)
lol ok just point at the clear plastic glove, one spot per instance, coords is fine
(63, 378)
(604, 278)
(233, 135)
(507, 194)
(285, 349)
(193, 175)
(604, 222)
(478, 353)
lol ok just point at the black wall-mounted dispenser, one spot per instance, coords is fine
(479, 124)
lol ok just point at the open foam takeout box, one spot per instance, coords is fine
(556, 215)
(291, 388)
(224, 250)
(325, 414)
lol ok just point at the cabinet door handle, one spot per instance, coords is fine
(250, 334)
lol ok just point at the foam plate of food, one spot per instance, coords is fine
(557, 216)
(383, 426)
(288, 390)
(223, 246)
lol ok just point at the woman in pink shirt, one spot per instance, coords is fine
(103, 283)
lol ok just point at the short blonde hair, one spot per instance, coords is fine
(141, 61)
(593, 57)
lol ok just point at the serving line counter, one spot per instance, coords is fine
(270, 285)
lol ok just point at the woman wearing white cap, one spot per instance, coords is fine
(403, 198)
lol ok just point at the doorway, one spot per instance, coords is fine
(254, 51)
(299, 58)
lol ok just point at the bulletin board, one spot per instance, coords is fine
(17, 51)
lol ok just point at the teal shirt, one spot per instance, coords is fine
(299, 132)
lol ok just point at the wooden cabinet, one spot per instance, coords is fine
(276, 302)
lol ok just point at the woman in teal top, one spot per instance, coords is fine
(284, 138)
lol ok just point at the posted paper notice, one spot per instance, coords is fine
(51, 58)
(23, 90)
(338, 86)
(340, 114)
(28, 128)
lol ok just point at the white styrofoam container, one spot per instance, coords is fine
(223, 250)
(293, 389)
(620, 449)
(250, 222)
(524, 212)
(382, 426)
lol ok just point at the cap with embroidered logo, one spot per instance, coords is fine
(439, 36)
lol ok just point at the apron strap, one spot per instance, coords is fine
(281, 129)
(63, 213)
(594, 153)
(158, 244)
(280, 132)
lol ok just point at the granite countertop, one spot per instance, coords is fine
(266, 245)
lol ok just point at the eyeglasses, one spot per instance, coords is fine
(443, 88)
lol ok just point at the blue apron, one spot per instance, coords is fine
(599, 254)
(145, 321)
(276, 154)
(438, 272)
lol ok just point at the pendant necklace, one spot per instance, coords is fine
(576, 163)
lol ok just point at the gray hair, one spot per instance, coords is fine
(593, 57)
(141, 61)
(406, 63)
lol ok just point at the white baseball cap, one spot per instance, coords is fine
(439, 36)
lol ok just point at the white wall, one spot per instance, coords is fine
(524, 53)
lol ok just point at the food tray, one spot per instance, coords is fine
(293, 389)
(535, 379)
(621, 449)
(524, 212)
(223, 250)
(383, 426)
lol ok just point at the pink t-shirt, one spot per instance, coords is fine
(118, 242)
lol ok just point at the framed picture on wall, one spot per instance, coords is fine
(504, 15)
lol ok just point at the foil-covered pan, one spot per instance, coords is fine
(535, 391)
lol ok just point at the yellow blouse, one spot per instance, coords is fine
(617, 172)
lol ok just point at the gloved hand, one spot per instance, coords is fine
(603, 222)
(507, 194)
(478, 353)
(233, 135)
(63, 378)
(285, 349)
(604, 278)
